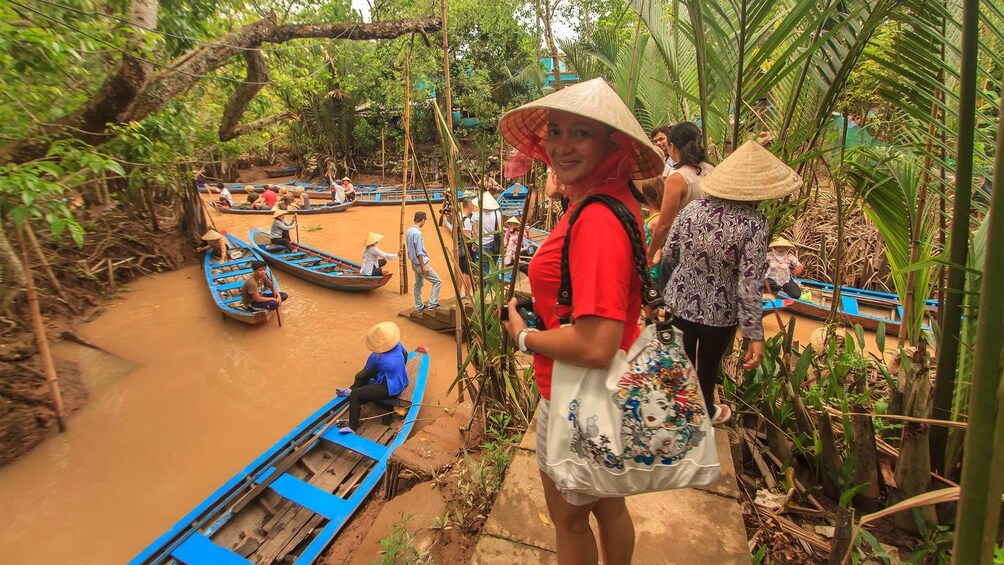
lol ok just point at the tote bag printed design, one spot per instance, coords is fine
(662, 412)
(638, 426)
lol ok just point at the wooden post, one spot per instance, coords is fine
(383, 155)
(47, 267)
(405, 260)
(43, 342)
(111, 274)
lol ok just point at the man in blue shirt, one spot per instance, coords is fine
(420, 263)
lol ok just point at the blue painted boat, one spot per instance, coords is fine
(857, 306)
(311, 211)
(513, 200)
(291, 502)
(312, 265)
(226, 277)
(281, 171)
(393, 197)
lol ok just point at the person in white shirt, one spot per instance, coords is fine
(226, 199)
(491, 235)
(660, 137)
(373, 257)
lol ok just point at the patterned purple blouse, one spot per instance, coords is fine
(716, 253)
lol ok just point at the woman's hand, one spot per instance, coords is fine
(515, 323)
(754, 354)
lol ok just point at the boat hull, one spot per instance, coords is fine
(234, 524)
(312, 211)
(225, 278)
(346, 276)
(866, 308)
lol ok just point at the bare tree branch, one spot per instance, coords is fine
(256, 79)
(258, 124)
(133, 92)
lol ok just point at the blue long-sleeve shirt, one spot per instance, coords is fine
(416, 246)
(390, 367)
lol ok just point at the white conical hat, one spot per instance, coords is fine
(212, 235)
(487, 202)
(781, 242)
(751, 173)
(371, 238)
(525, 128)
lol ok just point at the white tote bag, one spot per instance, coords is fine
(639, 425)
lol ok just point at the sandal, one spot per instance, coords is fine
(722, 415)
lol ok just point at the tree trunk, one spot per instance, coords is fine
(913, 468)
(12, 277)
(134, 91)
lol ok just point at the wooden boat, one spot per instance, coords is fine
(513, 200)
(393, 197)
(313, 210)
(281, 171)
(318, 267)
(291, 502)
(225, 279)
(857, 306)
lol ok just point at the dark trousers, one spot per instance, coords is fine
(269, 304)
(790, 288)
(362, 392)
(705, 347)
(283, 241)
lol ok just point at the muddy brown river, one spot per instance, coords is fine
(186, 399)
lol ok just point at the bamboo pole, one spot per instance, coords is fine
(46, 266)
(43, 342)
(405, 260)
(948, 351)
(980, 500)
(739, 75)
(383, 154)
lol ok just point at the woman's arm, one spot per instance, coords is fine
(385, 255)
(676, 187)
(591, 342)
(752, 269)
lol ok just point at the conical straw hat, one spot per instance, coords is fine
(512, 221)
(751, 173)
(488, 202)
(280, 212)
(525, 128)
(249, 189)
(212, 235)
(371, 238)
(781, 242)
(382, 337)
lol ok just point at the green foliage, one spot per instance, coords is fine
(396, 548)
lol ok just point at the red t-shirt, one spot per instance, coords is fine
(270, 197)
(605, 281)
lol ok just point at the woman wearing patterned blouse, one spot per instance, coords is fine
(716, 255)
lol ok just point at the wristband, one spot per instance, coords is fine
(521, 340)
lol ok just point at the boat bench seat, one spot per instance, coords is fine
(305, 260)
(849, 305)
(273, 247)
(197, 549)
(232, 300)
(233, 273)
(323, 265)
(292, 254)
(310, 497)
(356, 443)
(230, 286)
(234, 263)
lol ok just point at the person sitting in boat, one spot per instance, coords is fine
(280, 228)
(216, 245)
(375, 258)
(491, 185)
(258, 293)
(226, 199)
(511, 239)
(269, 196)
(384, 376)
(200, 179)
(287, 202)
(782, 264)
(337, 192)
(303, 198)
(350, 191)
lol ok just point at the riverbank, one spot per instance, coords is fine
(185, 399)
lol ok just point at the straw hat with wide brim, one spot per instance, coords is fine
(751, 173)
(486, 202)
(346, 179)
(371, 238)
(512, 221)
(382, 337)
(280, 212)
(781, 242)
(525, 128)
(212, 235)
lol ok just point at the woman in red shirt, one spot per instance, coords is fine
(594, 145)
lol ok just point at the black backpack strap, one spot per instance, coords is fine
(650, 294)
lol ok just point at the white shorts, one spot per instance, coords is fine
(572, 497)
